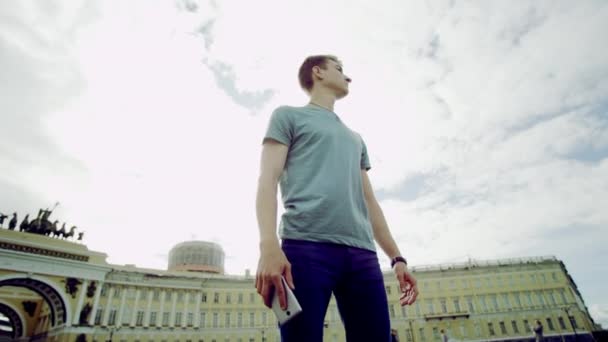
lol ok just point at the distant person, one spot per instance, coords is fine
(444, 336)
(331, 218)
(537, 329)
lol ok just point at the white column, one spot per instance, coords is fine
(122, 306)
(135, 309)
(197, 313)
(106, 314)
(95, 302)
(172, 316)
(148, 309)
(159, 319)
(83, 290)
(185, 311)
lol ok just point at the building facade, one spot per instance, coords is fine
(57, 290)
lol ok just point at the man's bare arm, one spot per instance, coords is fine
(272, 264)
(383, 236)
(380, 228)
(271, 168)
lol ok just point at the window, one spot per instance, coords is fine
(239, 320)
(561, 322)
(117, 291)
(543, 278)
(215, 319)
(515, 327)
(484, 305)
(216, 298)
(452, 284)
(435, 332)
(404, 311)
(388, 290)
(470, 304)
(143, 293)
(167, 295)
(165, 319)
(503, 328)
(526, 325)
(465, 284)
(511, 280)
(477, 329)
(204, 297)
(554, 276)
(573, 322)
(391, 310)
(499, 281)
(240, 298)
(438, 285)
(429, 306)
(156, 295)
(517, 300)
(550, 324)
(491, 329)
(104, 290)
(203, 322)
(408, 335)
(418, 311)
(541, 298)
(98, 316)
(456, 302)
(488, 282)
(562, 294)
(529, 298)
(153, 318)
(422, 336)
(552, 298)
(190, 321)
(228, 298)
(264, 318)
(112, 318)
(477, 283)
(444, 307)
(251, 297)
(506, 301)
(494, 302)
(140, 318)
(180, 296)
(227, 320)
(533, 278)
(251, 319)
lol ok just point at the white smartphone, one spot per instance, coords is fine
(293, 307)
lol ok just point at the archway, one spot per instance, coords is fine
(59, 306)
(15, 319)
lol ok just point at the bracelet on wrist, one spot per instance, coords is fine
(398, 259)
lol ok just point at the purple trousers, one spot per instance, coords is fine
(353, 275)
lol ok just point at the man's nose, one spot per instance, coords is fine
(348, 79)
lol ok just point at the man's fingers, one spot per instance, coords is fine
(266, 293)
(279, 291)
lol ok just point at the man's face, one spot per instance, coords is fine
(333, 77)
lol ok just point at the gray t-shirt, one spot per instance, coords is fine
(321, 183)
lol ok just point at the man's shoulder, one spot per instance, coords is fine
(285, 109)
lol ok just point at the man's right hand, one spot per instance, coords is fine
(272, 265)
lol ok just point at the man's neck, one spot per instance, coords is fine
(323, 99)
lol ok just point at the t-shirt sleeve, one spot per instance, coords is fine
(365, 164)
(279, 127)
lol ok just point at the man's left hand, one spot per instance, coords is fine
(407, 283)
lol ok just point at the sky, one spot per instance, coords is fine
(486, 122)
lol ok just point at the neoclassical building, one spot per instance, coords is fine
(58, 290)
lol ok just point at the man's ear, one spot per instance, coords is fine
(316, 70)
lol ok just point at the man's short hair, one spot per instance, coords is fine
(305, 72)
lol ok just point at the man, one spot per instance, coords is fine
(331, 216)
(537, 329)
